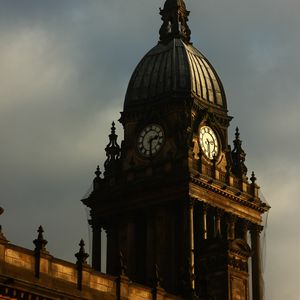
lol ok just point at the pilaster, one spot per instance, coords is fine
(257, 283)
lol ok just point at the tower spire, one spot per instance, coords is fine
(113, 151)
(175, 17)
(238, 156)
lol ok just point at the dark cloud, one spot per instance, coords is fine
(64, 68)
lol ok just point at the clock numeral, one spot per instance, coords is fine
(150, 140)
(208, 142)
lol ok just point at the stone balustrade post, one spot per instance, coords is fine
(40, 247)
(80, 263)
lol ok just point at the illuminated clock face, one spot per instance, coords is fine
(150, 140)
(208, 142)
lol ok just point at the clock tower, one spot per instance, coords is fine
(175, 201)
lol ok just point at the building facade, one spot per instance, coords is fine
(181, 217)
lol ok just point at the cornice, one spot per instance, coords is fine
(230, 193)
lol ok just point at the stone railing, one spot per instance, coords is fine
(27, 274)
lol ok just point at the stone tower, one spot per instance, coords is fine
(175, 200)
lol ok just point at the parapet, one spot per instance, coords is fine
(36, 274)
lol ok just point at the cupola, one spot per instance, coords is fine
(174, 67)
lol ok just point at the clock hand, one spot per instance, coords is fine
(209, 143)
(151, 141)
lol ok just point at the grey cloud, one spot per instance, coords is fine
(64, 68)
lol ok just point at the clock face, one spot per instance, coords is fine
(208, 142)
(150, 140)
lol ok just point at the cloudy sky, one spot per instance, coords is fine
(64, 68)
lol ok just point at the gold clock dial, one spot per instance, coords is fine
(150, 140)
(208, 142)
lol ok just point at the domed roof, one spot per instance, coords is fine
(174, 66)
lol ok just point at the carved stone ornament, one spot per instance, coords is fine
(175, 17)
(238, 157)
(240, 247)
(113, 152)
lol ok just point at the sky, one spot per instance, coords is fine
(64, 69)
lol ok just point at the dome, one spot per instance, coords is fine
(175, 67)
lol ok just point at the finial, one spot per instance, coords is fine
(40, 232)
(81, 255)
(113, 127)
(175, 17)
(97, 180)
(253, 186)
(237, 133)
(113, 152)
(81, 244)
(40, 243)
(98, 172)
(238, 156)
(253, 178)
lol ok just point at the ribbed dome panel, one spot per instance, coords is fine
(175, 67)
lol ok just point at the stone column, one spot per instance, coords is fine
(205, 208)
(96, 247)
(113, 250)
(191, 243)
(257, 284)
(218, 232)
(150, 248)
(130, 249)
(245, 230)
(231, 227)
